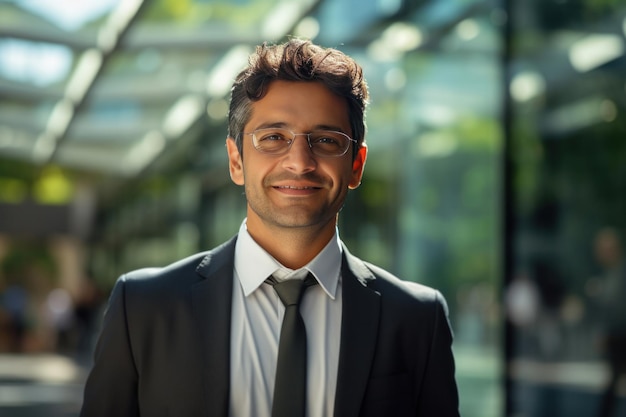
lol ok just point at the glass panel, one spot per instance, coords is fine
(566, 281)
(41, 45)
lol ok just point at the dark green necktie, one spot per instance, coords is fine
(290, 385)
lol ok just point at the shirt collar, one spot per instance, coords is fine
(254, 265)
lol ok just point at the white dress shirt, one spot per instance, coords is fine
(257, 315)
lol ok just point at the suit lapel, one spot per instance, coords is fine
(359, 328)
(211, 303)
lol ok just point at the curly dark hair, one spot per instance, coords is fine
(298, 60)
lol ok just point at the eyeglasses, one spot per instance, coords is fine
(324, 143)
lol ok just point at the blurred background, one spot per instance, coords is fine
(497, 173)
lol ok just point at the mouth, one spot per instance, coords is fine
(294, 187)
(299, 190)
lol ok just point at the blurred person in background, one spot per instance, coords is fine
(14, 310)
(87, 309)
(611, 302)
(202, 337)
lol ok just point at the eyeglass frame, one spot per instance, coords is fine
(292, 140)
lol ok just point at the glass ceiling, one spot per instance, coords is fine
(104, 85)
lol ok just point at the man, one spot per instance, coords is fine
(201, 337)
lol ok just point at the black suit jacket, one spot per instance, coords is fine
(164, 349)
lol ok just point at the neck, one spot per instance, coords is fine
(292, 247)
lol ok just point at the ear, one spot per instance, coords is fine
(235, 163)
(357, 167)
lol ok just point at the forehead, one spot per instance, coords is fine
(300, 105)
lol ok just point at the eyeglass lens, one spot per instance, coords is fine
(322, 142)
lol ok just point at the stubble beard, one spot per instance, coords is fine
(296, 216)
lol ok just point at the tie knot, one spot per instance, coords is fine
(290, 291)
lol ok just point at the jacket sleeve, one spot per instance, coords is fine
(439, 396)
(111, 387)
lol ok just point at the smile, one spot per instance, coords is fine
(292, 187)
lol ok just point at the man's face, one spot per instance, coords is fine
(296, 189)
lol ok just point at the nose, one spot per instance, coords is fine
(299, 158)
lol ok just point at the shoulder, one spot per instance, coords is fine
(396, 288)
(156, 277)
(157, 290)
(394, 291)
(386, 280)
(178, 274)
(406, 307)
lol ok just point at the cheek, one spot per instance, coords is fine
(255, 171)
(342, 177)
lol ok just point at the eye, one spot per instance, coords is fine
(327, 139)
(272, 136)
